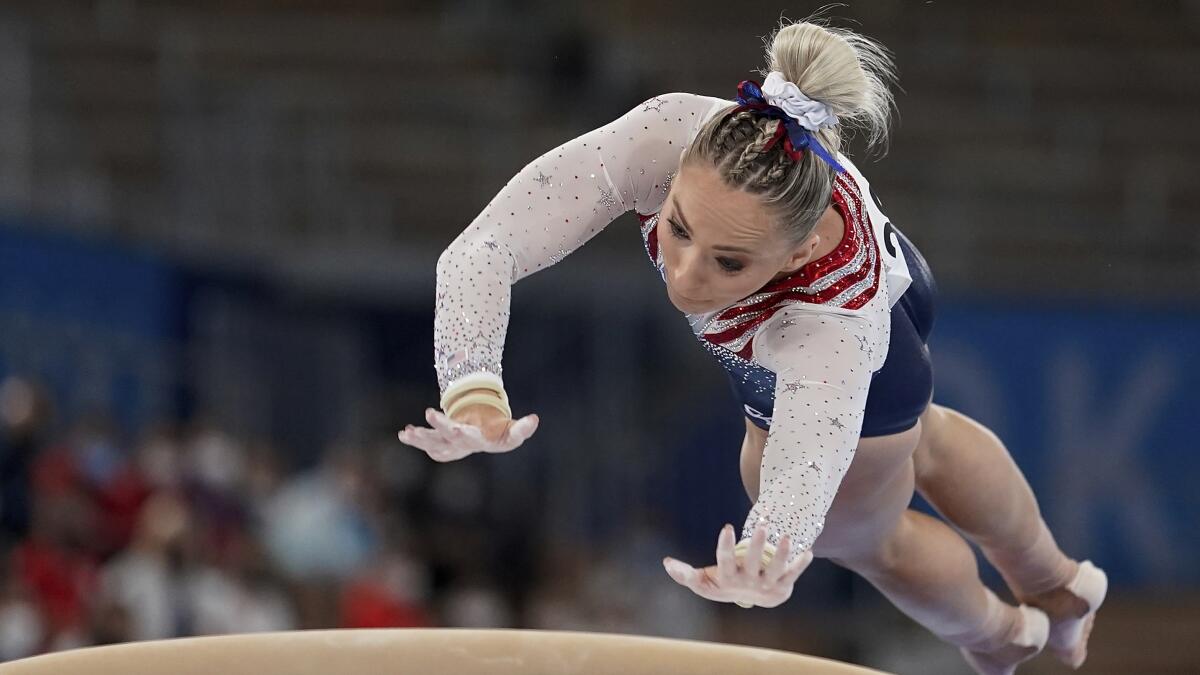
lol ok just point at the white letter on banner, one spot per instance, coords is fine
(1099, 471)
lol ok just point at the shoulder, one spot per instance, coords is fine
(802, 322)
(647, 143)
(819, 334)
(684, 99)
(679, 109)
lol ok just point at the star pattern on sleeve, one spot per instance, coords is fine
(607, 200)
(654, 104)
(793, 387)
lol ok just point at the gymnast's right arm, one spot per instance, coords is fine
(550, 208)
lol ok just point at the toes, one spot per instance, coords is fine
(1076, 653)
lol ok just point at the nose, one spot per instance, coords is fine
(685, 279)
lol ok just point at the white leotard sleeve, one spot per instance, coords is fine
(550, 208)
(823, 363)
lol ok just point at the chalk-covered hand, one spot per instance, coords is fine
(478, 428)
(743, 580)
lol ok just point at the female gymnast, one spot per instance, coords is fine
(773, 245)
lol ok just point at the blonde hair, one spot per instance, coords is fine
(849, 73)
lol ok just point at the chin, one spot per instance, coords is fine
(691, 307)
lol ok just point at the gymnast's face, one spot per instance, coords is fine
(719, 244)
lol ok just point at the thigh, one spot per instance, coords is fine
(873, 495)
(750, 461)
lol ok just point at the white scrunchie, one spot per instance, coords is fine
(811, 114)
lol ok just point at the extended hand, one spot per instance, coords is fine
(743, 580)
(450, 439)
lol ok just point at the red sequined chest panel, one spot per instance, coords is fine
(847, 277)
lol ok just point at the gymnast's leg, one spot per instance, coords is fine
(966, 473)
(920, 564)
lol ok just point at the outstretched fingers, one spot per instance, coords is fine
(795, 569)
(419, 437)
(515, 434)
(727, 564)
(695, 579)
(753, 561)
(778, 565)
(438, 420)
(428, 440)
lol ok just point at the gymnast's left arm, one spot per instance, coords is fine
(823, 364)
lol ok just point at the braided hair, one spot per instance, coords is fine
(743, 139)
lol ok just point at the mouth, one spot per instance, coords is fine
(686, 299)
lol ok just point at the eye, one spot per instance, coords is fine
(730, 266)
(677, 230)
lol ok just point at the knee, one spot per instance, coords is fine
(881, 558)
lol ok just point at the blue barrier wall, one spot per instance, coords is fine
(1100, 408)
(100, 324)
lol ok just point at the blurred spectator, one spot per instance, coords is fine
(24, 415)
(476, 602)
(241, 594)
(96, 451)
(314, 525)
(55, 563)
(216, 461)
(159, 458)
(148, 580)
(91, 463)
(391, 592)
(21, 629)
(264, 474)
(215, 473)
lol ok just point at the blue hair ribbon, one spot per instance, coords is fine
(750, 97)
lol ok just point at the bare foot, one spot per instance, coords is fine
(1072, 611)
(1028, 638)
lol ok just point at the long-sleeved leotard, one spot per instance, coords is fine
(819, 334)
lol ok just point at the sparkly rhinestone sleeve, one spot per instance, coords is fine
(547, 210)
(823, 364)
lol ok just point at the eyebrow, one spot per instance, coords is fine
(687, 227)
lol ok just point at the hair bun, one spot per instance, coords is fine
(843, 70)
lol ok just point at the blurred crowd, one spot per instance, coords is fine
(184, 529)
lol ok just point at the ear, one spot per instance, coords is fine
(802, 254)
